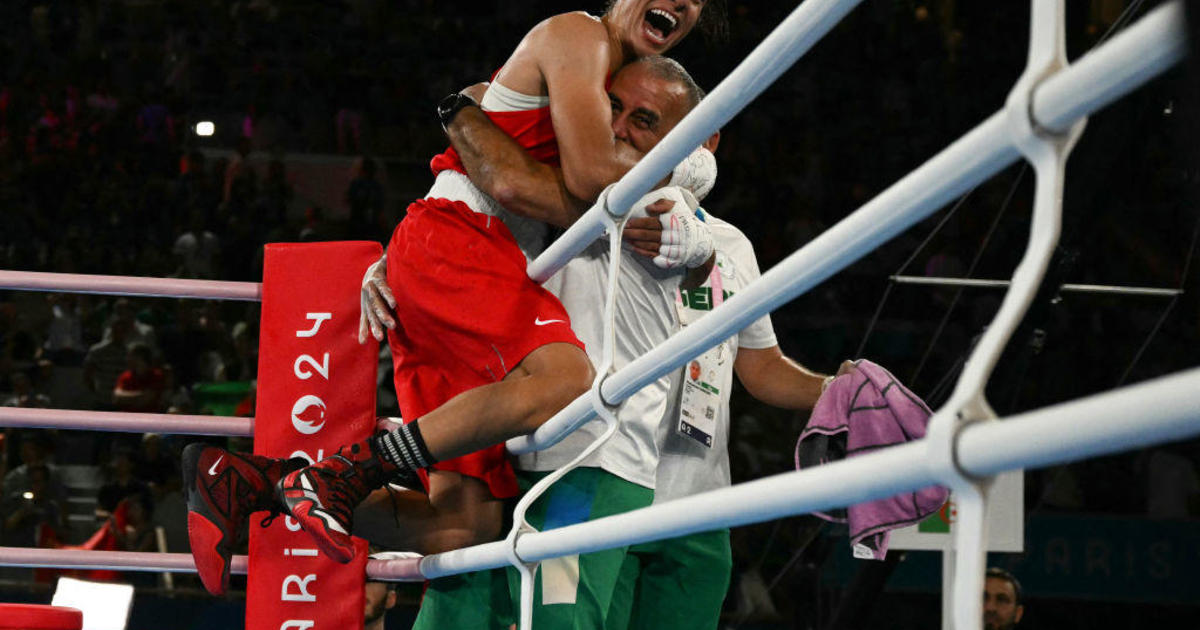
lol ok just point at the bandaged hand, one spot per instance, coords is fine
(664, 227)
(697, 173)
(375, 302)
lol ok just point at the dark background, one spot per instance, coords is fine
(97, 103)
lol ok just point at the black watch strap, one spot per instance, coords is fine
(451, 105)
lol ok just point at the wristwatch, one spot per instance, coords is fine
(451, 105)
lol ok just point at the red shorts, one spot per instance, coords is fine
(466, 316)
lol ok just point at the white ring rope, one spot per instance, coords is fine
(799, 32)
(1166, 409)
(125, 422)
(982, 152)
(130, 285)
(401, 569)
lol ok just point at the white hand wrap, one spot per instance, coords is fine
(697, 173)
(686, 240)
(379, 267)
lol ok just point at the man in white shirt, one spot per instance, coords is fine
(622, 474)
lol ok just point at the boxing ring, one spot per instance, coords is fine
(966, 443)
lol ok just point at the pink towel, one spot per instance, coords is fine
(862, 411)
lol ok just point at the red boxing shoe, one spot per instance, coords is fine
(322, 497)
(222, 490)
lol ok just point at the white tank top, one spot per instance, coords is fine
(502, 99)
(530, 234)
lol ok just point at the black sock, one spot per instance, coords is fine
(404, 448)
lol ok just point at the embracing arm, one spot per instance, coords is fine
(506, 172)
(575, 59)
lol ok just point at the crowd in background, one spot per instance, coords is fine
(101, 172)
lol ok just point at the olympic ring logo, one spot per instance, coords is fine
(305, 419)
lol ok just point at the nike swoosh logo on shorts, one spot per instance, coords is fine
(537, 321)
(213, 470)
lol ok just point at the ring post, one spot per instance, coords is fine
(316, 392)
(1047, 152)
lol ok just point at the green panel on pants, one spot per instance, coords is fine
(471, 601)
(674, 583)
(576, 593)
(583, 587)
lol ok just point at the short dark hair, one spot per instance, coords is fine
(714, 22)
(670, 70)
(997, 572)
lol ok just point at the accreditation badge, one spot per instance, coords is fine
(700, 397)
(705, 376)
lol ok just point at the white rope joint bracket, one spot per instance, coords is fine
(1047, 57)
(604, 410)
(602, 202)
(1047, 152)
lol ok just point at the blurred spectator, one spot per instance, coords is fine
(64, 335)
(315, 228)
(121, 484)
(197, 250)
(1002, 601)
(170, 513)
(1172, 486)
(179, 397)
(239, 176)
(244, 364)
(28, 510)
(137, 534)
(106, 361)
(154, 124)
(23, 394)
(183, 342)
(350, 118)
(217, 344)
(141, 386)
(380, 597)
(366, 200)
(152, 463)
(34, 453)
(192, 189)
(139, 332)
(275, 198)
(102, 102)
(18, 347)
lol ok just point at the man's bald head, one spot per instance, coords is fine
(672, 71)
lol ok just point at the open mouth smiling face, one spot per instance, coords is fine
(658, 26)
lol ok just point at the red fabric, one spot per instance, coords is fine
(316, 392)
(131, 382)
(532, 129)
(467, 317)
(102, 540)
(39, 617)
(245, 408)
